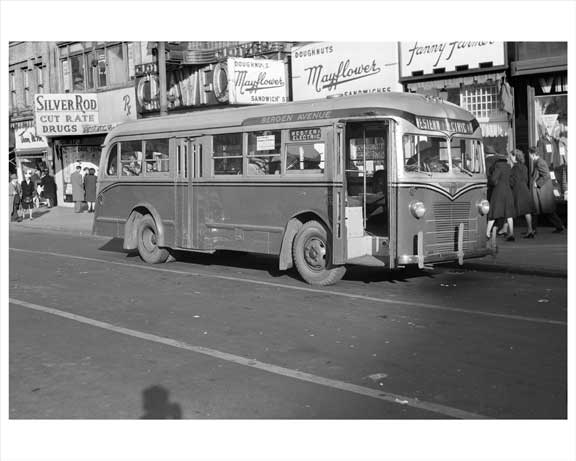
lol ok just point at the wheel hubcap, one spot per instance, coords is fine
(149, 239)
(315, 254)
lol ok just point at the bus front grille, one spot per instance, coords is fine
(442, 234)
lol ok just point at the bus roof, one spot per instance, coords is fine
(337, 107)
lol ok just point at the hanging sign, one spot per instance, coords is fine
(323, 69)
(256, 81)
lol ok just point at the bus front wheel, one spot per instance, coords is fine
(312, 255)
(148, 247)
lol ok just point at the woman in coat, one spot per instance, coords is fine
(90, 189)
(543, 191)
(501, 200)
(523, 202)
(28, 191)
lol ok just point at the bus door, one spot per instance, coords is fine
(367, 167)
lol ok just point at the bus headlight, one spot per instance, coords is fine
(483, 207)
(417, 209)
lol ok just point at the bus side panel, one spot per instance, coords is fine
(253, 216)
(440, 224)
(119, 198)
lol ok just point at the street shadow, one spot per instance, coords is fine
(382, 275)
(115, 245)
(38, 212)
(157, 405)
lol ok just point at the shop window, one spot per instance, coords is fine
(157, 156)
(131, 158)
(227, 154)
(100, 68)
(112, 165)
(305, 157)
(482, 101)
(264, 153)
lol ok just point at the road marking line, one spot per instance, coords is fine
(305, 289)
(275, 369)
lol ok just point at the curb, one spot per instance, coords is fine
(535, 271)
(51, 229)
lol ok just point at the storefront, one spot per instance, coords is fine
(240, 74)
(76, 126)
(30, 151)
(469, 74)
(539, 74)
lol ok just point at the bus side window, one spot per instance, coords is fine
(264, 153)
(157, 157)
(131, 158)
(112, 166)
(227, 154)
(302, 157)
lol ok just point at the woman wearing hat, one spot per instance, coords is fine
(14, 194)
(28, 192)
(522, 198)
(501, 198)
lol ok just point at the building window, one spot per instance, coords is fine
(26, 80)
(482, 101)
(40, 78)
(12, 90)
(93, 68)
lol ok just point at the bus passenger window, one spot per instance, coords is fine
(227, 154)
(131, 158)
(301, 157)
(264, 153)
(112, 166)
(157, 156)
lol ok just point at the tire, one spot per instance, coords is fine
(148, 249)
(312, 252)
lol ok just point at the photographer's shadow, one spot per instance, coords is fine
(157, 405)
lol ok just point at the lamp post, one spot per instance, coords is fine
(162, 78)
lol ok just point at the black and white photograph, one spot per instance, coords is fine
(340, 242)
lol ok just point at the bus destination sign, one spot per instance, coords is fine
(441, 124)
(309, 134)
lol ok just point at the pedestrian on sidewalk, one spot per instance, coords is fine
(14, 194)
(77, 189)
(28, 193)
(501, 199)
(523, 202)
(90, 189)
(543, 192)
(49, 187)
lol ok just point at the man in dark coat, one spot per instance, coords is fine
(49, 188)
(543, 191)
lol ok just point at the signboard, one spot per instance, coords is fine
(65, 114)
(423, 58)
(256, 81)
(27, 138)
(307, 134)
(267, 142)
(323, 69)
(441, 124)
(81, 114)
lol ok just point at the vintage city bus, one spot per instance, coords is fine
(386, 180)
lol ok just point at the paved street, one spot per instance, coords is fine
(96, 333)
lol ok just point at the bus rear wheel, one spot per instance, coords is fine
(312, 255)
(148, 247)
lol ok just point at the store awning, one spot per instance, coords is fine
(456, 81)
(30, 152)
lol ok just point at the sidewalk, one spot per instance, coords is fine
(545, 255)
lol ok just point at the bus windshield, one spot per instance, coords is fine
(426, 154)
(436, 154)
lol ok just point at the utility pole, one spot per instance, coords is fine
(162, 78)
